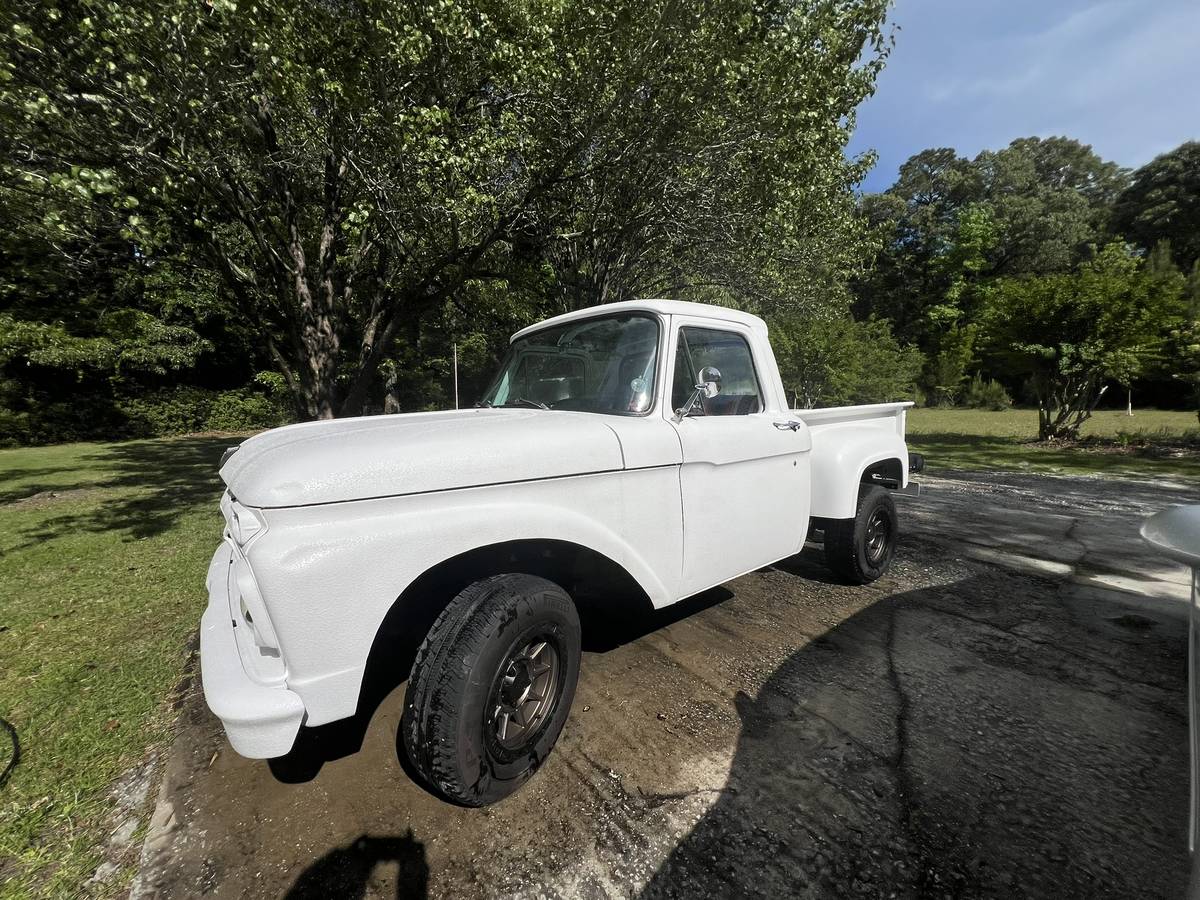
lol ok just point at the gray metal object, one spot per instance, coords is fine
(526, 693)
(708, 385)
(1176, 532)
(879, 532)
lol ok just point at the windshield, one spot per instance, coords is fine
(603, 365)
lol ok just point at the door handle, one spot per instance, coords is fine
(788, 426)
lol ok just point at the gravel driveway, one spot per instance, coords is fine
(1003, 715)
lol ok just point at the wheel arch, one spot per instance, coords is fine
(888, 473)
(845, 457)
(599, 585)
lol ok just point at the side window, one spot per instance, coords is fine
(730, 354)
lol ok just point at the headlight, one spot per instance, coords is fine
(243, 523)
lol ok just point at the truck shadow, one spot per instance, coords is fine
(350, 872)
(976, 738)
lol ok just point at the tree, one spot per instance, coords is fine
(1050, 199)
(832, 360)
(1036, 207)
(953, 342)
(1163, 203)
(1183, 355)
(348, 169)
(915, 221)
(1071, 332)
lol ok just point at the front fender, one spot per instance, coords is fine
(330, 574)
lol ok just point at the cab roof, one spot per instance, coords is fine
(658, 307)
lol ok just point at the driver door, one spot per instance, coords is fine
(741, 480)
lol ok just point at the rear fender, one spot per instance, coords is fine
(840, 456)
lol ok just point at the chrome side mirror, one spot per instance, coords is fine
(708, 385)
(708, 381)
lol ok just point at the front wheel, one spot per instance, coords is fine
(861, 549)
(491, 687)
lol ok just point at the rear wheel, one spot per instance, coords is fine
(491, 687)
(861, 549)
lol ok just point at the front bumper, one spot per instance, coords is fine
(261, 721)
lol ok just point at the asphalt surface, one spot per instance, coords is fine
(1003, 715)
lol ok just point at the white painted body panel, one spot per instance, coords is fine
(846, 440)
(352, 512)
(338, 460)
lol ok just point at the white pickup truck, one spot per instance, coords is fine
(638, 452)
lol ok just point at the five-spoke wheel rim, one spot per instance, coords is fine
(525, 693)
(879, 532)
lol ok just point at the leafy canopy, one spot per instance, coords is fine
(348, 168)
(1070, 332)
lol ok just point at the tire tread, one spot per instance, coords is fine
(842, 538)
(463, 629)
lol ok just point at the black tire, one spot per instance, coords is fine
(861, 549)
(451, 727)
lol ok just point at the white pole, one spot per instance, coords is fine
(455, 347)
(1129, 403)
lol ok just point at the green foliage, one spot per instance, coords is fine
(183, 409)
(950, 224)
(191, 410)
(946, 371)
(832, 361)
(989, 394)
(345, 176)
(1163, 204)
(171, 411)
(954, 230)
(1184, 344)
(243, 410)
(1070, 332)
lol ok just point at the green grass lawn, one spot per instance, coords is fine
(103, 550)
(1151, 443)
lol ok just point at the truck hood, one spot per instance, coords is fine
(383, 456)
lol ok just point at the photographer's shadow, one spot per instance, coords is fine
(961, 740)
(348, 872)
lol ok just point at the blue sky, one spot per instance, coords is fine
(1123, 76)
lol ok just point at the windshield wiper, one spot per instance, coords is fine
(484, 404)
(521, 401)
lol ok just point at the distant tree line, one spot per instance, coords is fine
(1042, 271)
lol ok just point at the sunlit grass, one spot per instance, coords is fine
(1150, 443)
(103, 550)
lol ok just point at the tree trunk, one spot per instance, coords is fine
(391, 391)
(1063, 406)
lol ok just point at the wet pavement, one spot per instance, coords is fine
(1003, 715)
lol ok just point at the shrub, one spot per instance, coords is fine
(14, 428)
(178, 410)
(829, 362)
(244, 410)
(185, 410)
(988, 394)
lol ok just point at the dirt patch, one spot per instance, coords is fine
(43, 499)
